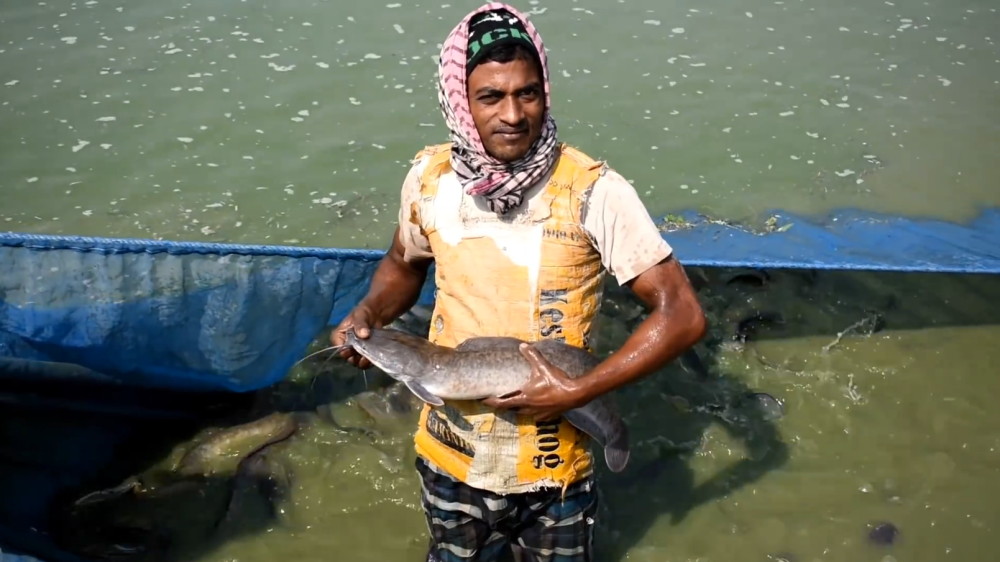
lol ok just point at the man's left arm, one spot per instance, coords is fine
(634, 251)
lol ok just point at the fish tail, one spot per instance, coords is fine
(616, 452)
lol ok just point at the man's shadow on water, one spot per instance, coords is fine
(659, 480)
(678, 406)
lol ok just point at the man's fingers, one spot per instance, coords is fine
(511, 400)
(533, 356)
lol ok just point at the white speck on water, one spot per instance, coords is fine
(32, 180)
(843, 105)
(749, 15)
(684, 186)
(354, 101)
(87, 213)
(813, 135)
(794, 157)
(80, 145)
(271, 56)
(398, 28)
(11, 83)
(281, 68)
(304, 113)
(68, 40)
(71, 169)
(129, 28)
(842, 28)
(677, 30)
(941, 39)
(652, 22)
(727, 129)
(393, 5)
(944, 81)
(105, 146)
(322, 65)
(372, 56)
(824, 102)
(106, 119)
(185, 140)
(845, 173)
(786, 113)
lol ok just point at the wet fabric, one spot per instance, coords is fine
(501, 184)
(470, 525)
(537, 277)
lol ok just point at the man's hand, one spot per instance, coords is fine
(361, 319)
(547, 394)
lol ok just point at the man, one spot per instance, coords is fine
(522, 229)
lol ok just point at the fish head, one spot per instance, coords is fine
(401, 355)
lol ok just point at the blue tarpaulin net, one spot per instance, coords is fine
(236, 317)
(172, 314)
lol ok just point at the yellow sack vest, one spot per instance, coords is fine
(547, 288)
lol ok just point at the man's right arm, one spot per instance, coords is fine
(396, 284)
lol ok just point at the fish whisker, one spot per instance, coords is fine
(334, 348)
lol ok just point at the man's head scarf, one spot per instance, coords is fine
(501, 184)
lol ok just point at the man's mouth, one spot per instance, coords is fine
(510, 134)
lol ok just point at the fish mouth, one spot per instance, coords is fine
(359, 345)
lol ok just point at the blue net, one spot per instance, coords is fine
(172, 315)
(232, 317)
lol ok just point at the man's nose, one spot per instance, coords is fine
(511, 111)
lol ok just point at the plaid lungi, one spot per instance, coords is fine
(467, 524)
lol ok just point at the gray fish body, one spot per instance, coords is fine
(492, 366)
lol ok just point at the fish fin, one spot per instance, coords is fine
(616, 453)
(422, 393)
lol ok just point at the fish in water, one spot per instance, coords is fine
(491, 366)
(769, 407)
(129, 485)
(269, 478)
(748, 326)
(883, 534)
(392, 405)
(241, 440)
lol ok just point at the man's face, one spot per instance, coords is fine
(507, 101)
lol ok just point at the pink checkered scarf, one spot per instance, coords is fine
(501, 184)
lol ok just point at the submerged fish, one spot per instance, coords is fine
(268, 478)
(129, 485)
(491, 366)
(238, 442)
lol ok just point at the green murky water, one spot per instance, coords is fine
(294, 123)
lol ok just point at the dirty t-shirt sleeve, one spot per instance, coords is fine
(621, 228)
(415, 244)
